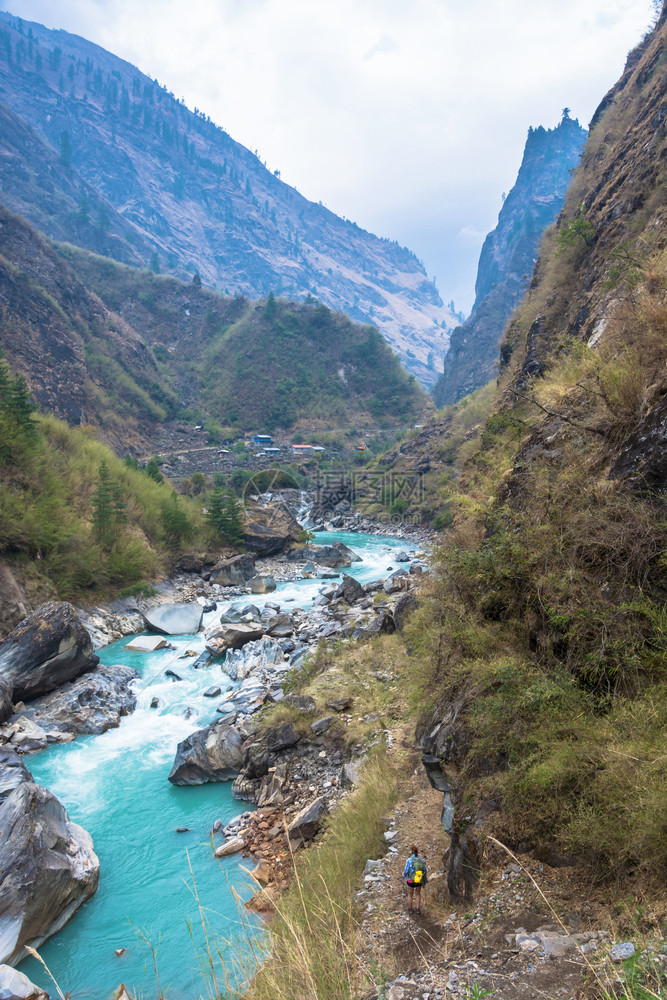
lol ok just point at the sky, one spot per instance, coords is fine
(408, 117)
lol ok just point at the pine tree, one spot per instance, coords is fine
(103, 508)
(175, 522)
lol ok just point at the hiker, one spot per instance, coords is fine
(415, 875)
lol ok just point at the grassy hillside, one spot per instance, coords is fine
(76, 520)
(246, 364)
(82, 363)
(542, 647)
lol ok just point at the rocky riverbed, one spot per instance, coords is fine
(53, 689)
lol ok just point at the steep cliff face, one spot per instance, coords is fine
(184, 188)
(546, 647)
(508, 256)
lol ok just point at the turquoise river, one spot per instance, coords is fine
(115, 786)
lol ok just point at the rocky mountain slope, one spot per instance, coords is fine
(547, 632)
(508, 256)
(130, 171)
(126, 350)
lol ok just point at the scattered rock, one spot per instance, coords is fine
(94, 702)
(622, 952)
(224, 637)
(339, 704)
(232, 846)
(322, 725)
(302, 702)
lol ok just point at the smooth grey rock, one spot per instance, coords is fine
(94, 702)
(13, 772)
(174, 619)
(231, 846)
(210, 754)
(306, 823)
(48, 648)
(322, 725)
(212, 692)
(47, 869)
(15, 986)
(146, 643)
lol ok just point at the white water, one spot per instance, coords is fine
(115, 785)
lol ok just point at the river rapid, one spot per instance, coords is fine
(115, 786)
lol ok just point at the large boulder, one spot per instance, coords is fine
(324, 555)
(350, 590)
(92, 703)
(262, 584)
(210, 754)
(13, 773)
(234, 572)
(223, 637)
(174, 619)
(306, 823)
(47, 869)
(403, 608)
(269, 527)
(48, 648)
(281, 737)
(15, 986)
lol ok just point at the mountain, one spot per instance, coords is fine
(508, 256)
(103, 156)
(546, 643)
(126, 350)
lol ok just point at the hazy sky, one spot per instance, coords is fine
(407, 116)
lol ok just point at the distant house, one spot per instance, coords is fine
(318, 447)
(223, 451)
(361, 447)
(302, 449)
(272, 451)
(263, 440)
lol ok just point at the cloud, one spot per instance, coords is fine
(400, 116)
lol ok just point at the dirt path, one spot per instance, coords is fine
(508, 941)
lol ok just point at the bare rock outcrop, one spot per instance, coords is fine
(48, 868)
(48, 648)
(210, 754)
